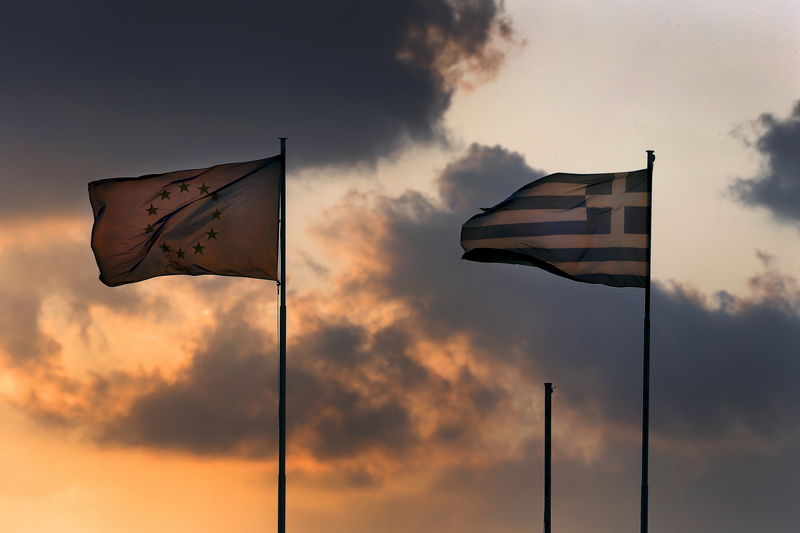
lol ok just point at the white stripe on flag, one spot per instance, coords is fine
(635, 199)
(523, 216)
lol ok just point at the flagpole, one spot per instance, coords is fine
(282, 345)
(651, 157)
(548, 393)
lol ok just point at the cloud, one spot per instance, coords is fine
(588, 337)
(365, 345)
(777, 188)
(725, 494)
(412, 362)
(156, 85)
(353, 390)
(220, 403)
(726, 376)
(21, 335)
(483, 177)
(403, 353)
(31, 276)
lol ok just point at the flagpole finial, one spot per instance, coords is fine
(651, 156)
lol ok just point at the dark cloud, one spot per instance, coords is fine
(778, 186)
(224, 399)
(483, 177)
(351, 429)
(93, 89)
(721, 373)
(350, 393)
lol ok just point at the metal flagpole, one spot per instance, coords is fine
(548, 393)
(282, 344)
(651, 157)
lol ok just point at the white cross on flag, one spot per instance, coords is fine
(220, 220)
(587, 227)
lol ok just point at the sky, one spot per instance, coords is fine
(415, 397)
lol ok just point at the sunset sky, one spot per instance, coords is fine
(415, 395)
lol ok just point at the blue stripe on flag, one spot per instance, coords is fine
(575, 255)
(493, 255)
(636, 219)
(636, 182)
(614, 280)
(598, 222)
(582, 179)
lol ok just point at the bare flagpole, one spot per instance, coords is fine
(282, 344)
(548, 393)
(651, 157)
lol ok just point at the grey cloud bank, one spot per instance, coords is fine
(777, 188)
(94, 89)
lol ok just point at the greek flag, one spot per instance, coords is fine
(587, 227)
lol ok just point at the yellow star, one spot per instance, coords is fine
(184, 187)
(149, 228)
(216, 214)
(152, 210)
(165, 194)
(203, 189)
(198, 249)
(212, 234)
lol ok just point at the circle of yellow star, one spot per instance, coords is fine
(198, 249)
(203, 188)
(165, 194)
